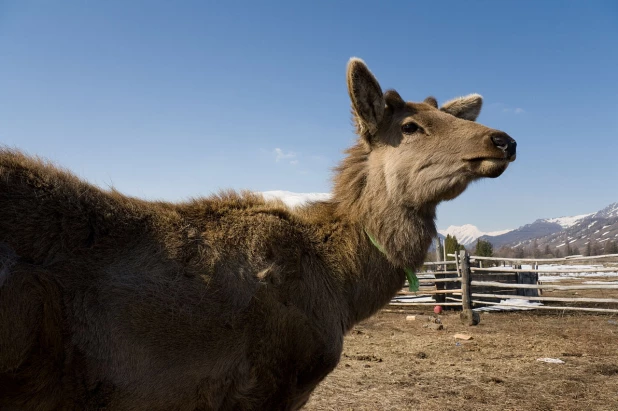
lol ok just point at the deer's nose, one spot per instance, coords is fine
(505, 143)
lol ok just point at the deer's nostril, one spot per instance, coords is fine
(501, 141)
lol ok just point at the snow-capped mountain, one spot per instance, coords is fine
(611, 211)
(468, 233)
(599, 227)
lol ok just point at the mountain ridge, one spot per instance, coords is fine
(598, 227)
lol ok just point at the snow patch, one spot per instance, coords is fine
(511, 305)
(552, 272)
(412, 299)
(295, 199)
(566, 222)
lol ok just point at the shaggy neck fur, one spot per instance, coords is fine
(404, 231)
(370, 278)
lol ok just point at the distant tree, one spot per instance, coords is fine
(449, 246)
(575, 250)
(547, 251)
(504, 251)
(484, 248)
(588, 251)
(595, 248)
(452, 246)
(567, 249)
(557, 253)
(519, 252)
(611, 247)
(536, 253)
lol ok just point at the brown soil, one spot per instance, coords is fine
(390, 363)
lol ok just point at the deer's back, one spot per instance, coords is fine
(151, 303)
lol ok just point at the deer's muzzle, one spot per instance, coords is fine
(505, 143)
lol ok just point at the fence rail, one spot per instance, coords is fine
(547, 286)
(533, 270)
(544, 260)
(471, 287)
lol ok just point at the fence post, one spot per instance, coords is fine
(466, 299)
(457, 264)
(467, 316)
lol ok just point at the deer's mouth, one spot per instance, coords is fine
(491, 167)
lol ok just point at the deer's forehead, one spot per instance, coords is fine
(420, 111)
(420, 107)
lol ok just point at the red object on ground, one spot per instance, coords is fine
(437, 309)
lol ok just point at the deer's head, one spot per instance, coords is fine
(424, 154)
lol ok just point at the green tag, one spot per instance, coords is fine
(410, 275)
(375, 243)
(412, 279)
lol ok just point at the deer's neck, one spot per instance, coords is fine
(404, 232)
(361, 196)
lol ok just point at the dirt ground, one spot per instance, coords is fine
(390, 363)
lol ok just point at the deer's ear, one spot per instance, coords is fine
(366, 95)
(468, 107)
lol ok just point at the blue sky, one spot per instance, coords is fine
(170, 100)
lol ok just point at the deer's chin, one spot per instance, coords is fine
(454, 190)
(488, 167)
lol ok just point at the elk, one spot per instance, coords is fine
(230, 301)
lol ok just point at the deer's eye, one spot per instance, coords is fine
(410, 128)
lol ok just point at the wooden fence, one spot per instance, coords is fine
(469, 282)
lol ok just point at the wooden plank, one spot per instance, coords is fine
(396, 311)
(530, 270)
(436, 272)
(559, 299)
(547, 286)
(438, 280)
(429, 291)
(424, 303)
(548, 307)
(506, 278)
(430, 263)
(458, 264)
(476, 289)
(544, 260)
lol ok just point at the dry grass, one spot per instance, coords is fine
(393, 364)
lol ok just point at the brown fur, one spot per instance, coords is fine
(227, 302)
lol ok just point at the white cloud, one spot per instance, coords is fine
(516, 110)
(282, 155)
(294, 162)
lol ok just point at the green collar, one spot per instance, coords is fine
(410, 274)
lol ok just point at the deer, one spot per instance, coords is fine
(228, 301)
